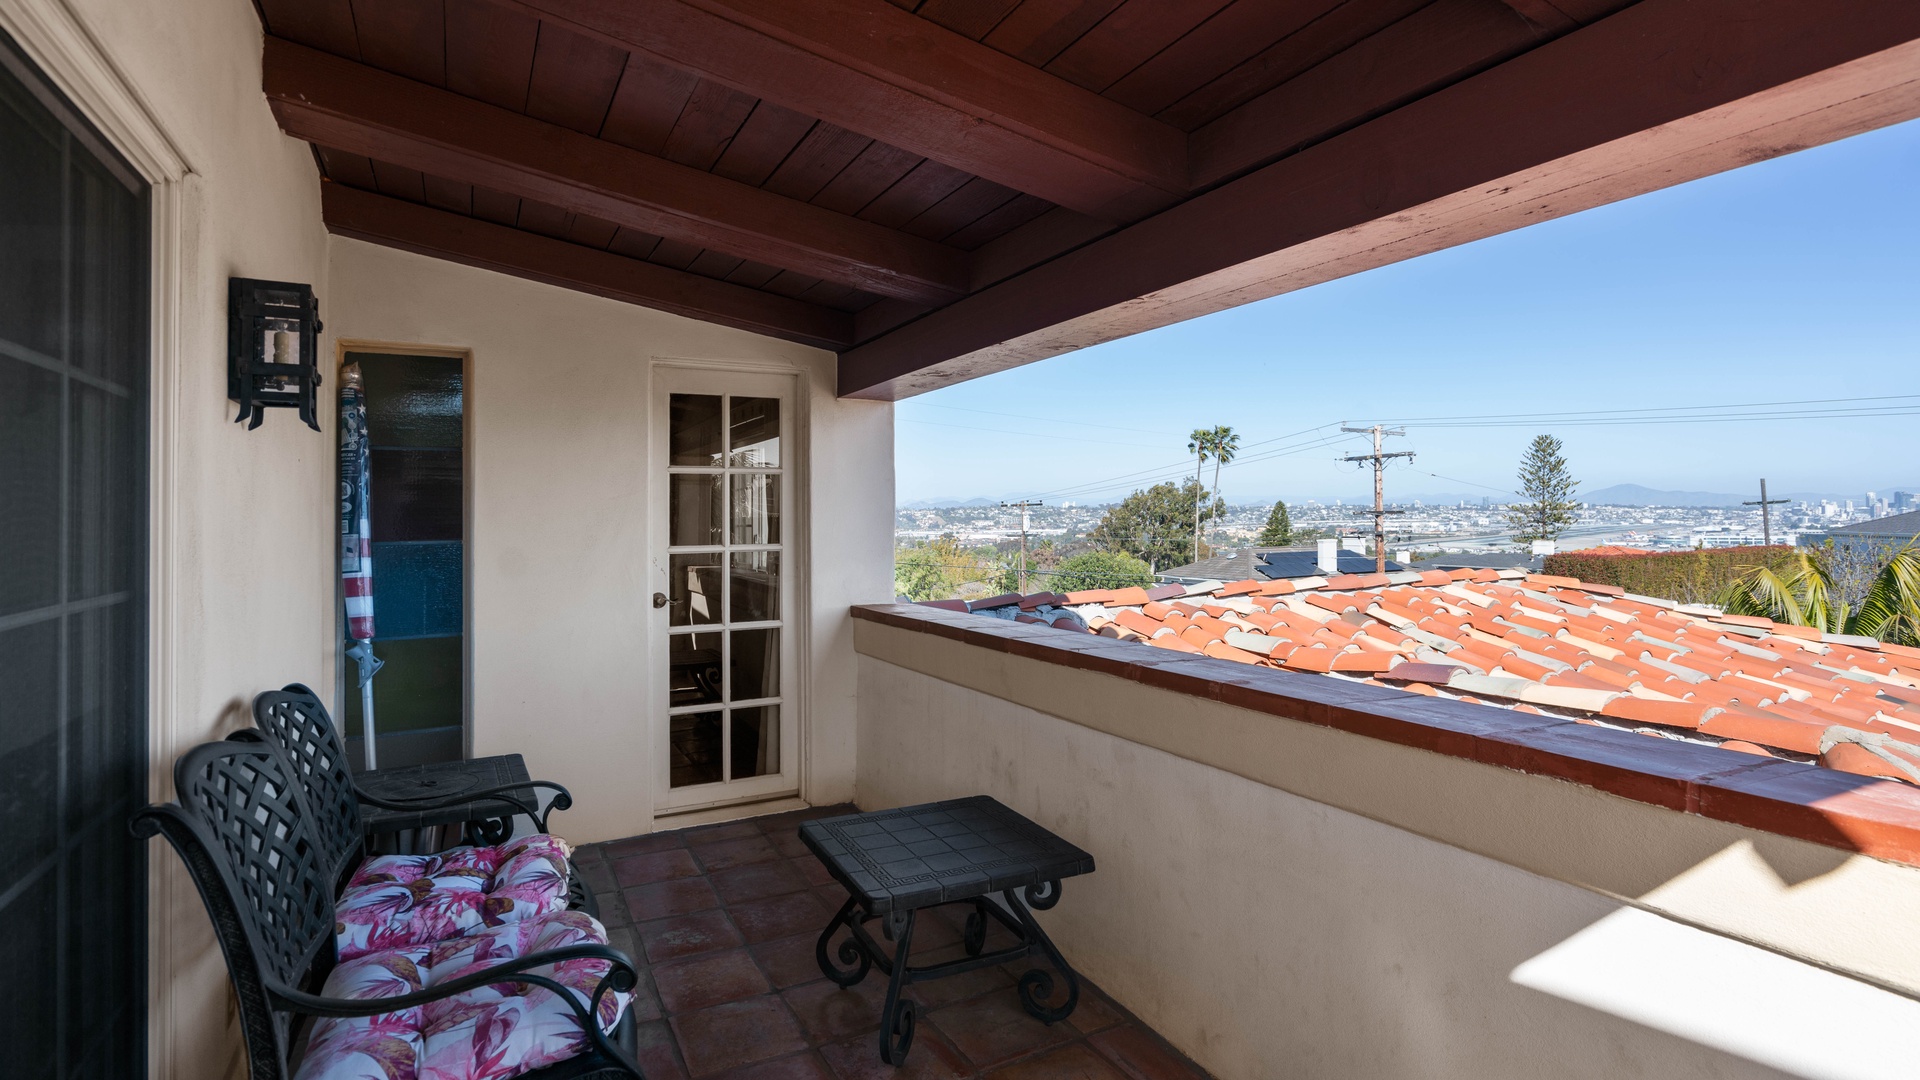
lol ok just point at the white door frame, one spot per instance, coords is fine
(70, 57)
(667, 375)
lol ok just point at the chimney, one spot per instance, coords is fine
(1329, 560)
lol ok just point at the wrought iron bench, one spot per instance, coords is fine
(294, 718)
(542, 1006)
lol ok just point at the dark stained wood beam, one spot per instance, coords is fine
(348, 106)
(378, 219)
(1658, 94)
(1544, 14)
(1442, 43)
(873, 68)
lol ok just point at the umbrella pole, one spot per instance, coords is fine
(366, 713)
(362, 653)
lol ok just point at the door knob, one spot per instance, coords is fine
(659, 599)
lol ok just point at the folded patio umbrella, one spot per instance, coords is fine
(356, 543)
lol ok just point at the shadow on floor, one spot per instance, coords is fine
(722, 920)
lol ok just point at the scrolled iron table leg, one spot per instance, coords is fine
(1036, 985)
(850, 951)
(975, 935)
(897, 1014)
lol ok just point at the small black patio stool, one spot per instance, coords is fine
(896, 863)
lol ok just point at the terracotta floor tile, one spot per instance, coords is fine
(641, 845)
(936, 993)
(807, 1066)
(993, 1028)
(656, 1052)
(788, 961)
(701, 983)
(654, 866)
(787, 843)
(771, 823)
(728, 830)
(830, 1012)
(931, 1057)
(737, 1033)
(680, 896)
(595, 870)
(1096, 1011)
(813, 870)
(688, 935)
(780, 916)
(1075, 1061)
(731, 853)
(757, 882)
(1142, 1055)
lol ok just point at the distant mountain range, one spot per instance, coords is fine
(1616, 495)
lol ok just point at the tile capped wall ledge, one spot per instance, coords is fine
(1875, 817)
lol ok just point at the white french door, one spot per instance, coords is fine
(725, 714)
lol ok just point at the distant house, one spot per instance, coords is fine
(1267, 564)
(1484, 560)
(1892, 530)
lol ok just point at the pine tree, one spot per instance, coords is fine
(1279, 530)
(1546, 507)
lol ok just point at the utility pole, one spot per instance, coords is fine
(1380, 510)
(1023, 506)
(1766, 512)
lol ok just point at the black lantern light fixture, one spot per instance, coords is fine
(273, 345)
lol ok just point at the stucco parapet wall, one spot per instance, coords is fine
(1769, 852)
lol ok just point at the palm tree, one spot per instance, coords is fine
(1799, 591)
(1217, 444)
(1224, 445)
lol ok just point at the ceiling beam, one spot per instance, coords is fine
(876, 69)
(349, 106)
(390, 222)
(1658, 94)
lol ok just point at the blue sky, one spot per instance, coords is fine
(1795, 279)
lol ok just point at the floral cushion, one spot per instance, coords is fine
(398, 900)
(490, 1033)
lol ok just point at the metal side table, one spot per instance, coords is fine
(895, 863)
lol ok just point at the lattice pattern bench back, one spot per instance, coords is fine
(245, 798)
(295, 719)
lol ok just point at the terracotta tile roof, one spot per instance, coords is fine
(1540, 644)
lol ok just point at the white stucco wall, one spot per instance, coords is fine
(560, 582)
(1271, 935)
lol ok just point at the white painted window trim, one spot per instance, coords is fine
(72, 58)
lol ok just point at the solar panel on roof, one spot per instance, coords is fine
(1299, 564)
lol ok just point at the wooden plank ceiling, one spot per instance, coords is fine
(837, 172)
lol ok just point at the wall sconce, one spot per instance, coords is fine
(273, 341)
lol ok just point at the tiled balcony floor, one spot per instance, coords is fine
(722, 921)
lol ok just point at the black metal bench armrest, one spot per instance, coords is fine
(621, 977)
(562, 800)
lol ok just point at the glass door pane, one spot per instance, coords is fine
(727, 469)
(73, 600)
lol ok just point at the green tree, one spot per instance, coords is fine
(1099, 570)
(1802, 592)
(1151, 525)
(1279, 530)
(1546, 507)
(941, 569)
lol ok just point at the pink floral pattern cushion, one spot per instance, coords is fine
(492, 1033)
(399, 900)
